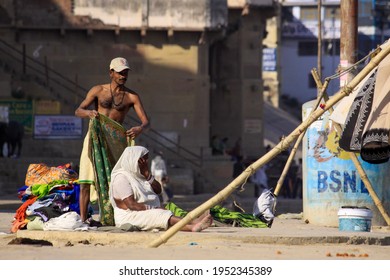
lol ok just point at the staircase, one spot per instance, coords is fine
(189, 173)
(46, 83)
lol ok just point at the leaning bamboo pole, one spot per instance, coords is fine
(224, 193)
(355, 160)
(290, 159)
(287, 166)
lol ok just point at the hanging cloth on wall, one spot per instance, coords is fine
(366, 128)
(375, 139)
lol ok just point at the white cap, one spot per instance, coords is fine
(119, 64)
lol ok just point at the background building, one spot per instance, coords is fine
(197, 67)
(299, 42)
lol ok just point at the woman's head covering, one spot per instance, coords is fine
(128, 162)
(128, 166)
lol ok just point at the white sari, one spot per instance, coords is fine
(127, 167)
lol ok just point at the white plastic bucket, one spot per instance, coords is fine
(354, 218)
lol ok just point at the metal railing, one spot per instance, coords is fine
(61, 86)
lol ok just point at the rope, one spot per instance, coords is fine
(352, 67)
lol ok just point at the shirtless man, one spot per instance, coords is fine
(113, 100)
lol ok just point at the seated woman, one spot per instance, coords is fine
(134, 195)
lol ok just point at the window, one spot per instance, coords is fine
(307, 48)
(365, 8)
(309, 13)
(332, 12)
(366, 13)
(331, 47)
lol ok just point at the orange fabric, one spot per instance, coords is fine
(16, 225)
(20, 215)
(40, 173)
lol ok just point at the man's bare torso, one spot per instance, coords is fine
(114, 106)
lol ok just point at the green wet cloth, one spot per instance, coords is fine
(108, 143)
(41, 190)
(223, 215)
(176, 210)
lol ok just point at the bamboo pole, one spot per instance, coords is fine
(224, 193)
(287, 166)
(297, 143)
(355, 160)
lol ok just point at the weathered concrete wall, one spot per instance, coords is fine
(236, 100)
(176, 14)
(41, 13)
(6, 12)
(271, 78)
(172, 80)
(135, 14)
(254, 3)
(171, 71)
(120, 12)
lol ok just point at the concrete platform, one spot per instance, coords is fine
(287, 230)
(289, 238)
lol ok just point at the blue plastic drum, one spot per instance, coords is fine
(330, 178)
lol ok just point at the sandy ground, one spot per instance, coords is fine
(217, 250)
(212, 244)
(90, 255)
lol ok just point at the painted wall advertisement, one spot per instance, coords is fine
(331, 179)
(57, 127)
(20, 111)
(269, 59)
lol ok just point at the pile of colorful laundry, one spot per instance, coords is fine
(50, 199)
